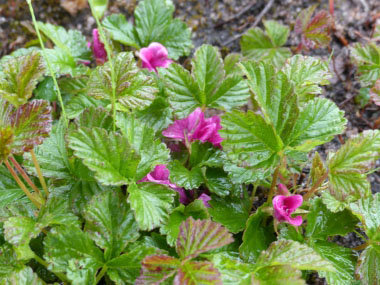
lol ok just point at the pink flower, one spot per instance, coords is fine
(196, 127)
(205, 198)
(282, 190)
(284, 206)
(153, 56)
(98, 49)
(160, 175)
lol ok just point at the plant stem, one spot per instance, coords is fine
(24, 174)
(315, 186)
(274, 182)
(58, 274)
(110, 60)
(21, 184)
(39, 173)
(47, 61)
(101, 274)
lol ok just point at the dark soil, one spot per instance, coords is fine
(220, 23)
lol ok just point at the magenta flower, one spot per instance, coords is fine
(98, 49)
(196, 127)
(205, 198)
(284, 206)
(153, 56)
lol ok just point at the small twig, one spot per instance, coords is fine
(237, 15)
(21, 184)
(315, 186)
(39, 173)
(258, 19)
(24, 175)
(346, 100)
(274, 183)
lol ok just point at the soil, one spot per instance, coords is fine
(220, 23)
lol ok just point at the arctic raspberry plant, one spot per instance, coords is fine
(148, 172)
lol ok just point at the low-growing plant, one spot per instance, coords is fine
(122, 166)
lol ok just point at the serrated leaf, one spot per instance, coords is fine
(18, 231)
(56, 211)
(46, 90)
(343, 259)
(77, 104)
(134, 89)
(31, 124)
(318, 168)
(266, 46)
(293, 254)
(206, 86)
(64, 64)
(257, 236)
(306, 73)
(107, 153)
(10, 192)
(126, 268)
(182, 177)
(322, 223)
(110, 223)
(21, 75)
(350, 163)
(231, 212)
(217, 181)
(121, 30)
(198, 272)
(154, 23)
(22, 275)
(157, 268)
(367, 57)
(95, 118)
(65, 243)
(278, 275)
(81, 271)
(151, 203)
(198, 236)
(141, 137)
(368, 267)
(314, 31)
(231, 63)
(367, 210)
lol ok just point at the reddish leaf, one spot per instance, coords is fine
(31, 124)
(314, 31)
(157, 268)
(197, 236)
(193, 273)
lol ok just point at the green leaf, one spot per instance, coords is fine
(22, 275)
(367, 57)
(64, 64)
(107, 153)
(217, 181)
(368, 268)
(198, 272)
(121, 30)
(196, 209)
(110, 223)
(157, 268)
(10, 192)
(249, 138)
(81, 271)
(181, 176)
(343, 259)
(77, 104)
(306, 73)
(231, 63)
(65, 243)
(232, 270)
(231, 212)
(151, 203)
(21, 75)
(266, 46)
(134, 89)
(56, 211)
(278, 275)
(154, 23)
(348, 166)
(46, 90)
(19, 231)
(318, 168)
(257, 236)
(31, 124)
(126, 268)
(95, 118)
(198, 236)
(72, 43)
(206, 86)
(367, 210)
(99, 7)
(293, 254)
(142, 138)
(322, 223)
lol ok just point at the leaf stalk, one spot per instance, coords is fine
(24, 175)
(39, 173)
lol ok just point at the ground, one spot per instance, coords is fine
(220, 23)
